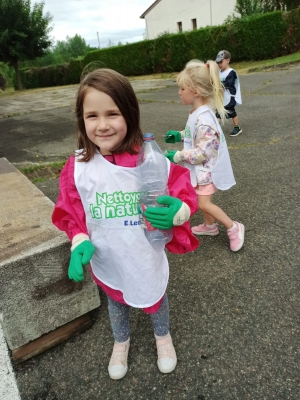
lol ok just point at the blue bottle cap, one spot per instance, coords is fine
(148, 136)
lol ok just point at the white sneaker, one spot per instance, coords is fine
(117, 367)
(166, 355)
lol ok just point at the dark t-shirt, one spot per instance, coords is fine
(229, 83)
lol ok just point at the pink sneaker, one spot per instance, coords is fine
(202, 229)
(236, 237)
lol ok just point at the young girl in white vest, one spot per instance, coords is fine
(205, 151)
(102, 177)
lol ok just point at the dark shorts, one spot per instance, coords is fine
(231, 113)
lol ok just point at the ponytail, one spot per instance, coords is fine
(218, 88)
(205, 78)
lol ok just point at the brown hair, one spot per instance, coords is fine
(205, 78)
(120, 90)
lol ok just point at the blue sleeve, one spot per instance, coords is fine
(229, 82)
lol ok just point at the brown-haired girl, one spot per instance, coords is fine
(205, 151)
(97, 208)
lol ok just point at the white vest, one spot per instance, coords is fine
(227, 95)
(124, 259)
(222, 174)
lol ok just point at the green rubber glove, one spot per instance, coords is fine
(173, 137)
(80, 256)
(170, 155)
(162, 217)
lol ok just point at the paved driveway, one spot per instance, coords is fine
(234, 316)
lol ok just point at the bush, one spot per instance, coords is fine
(2, 83)
(53, 75)
(258, 37)
(6, 74)
(130, 59)
(291, 38)
(168, 52)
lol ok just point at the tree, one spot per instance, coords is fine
(110, 43)
(271, 5)
(250, 7)
(77, 46)
(24, 32)
(72, 47)
(62, 51)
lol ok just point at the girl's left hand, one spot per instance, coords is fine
(173, 156)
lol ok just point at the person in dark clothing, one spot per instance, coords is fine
(232, 92)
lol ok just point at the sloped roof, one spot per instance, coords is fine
(149, 8)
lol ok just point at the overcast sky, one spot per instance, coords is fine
(114, 20)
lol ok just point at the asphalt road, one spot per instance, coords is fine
(234, 316)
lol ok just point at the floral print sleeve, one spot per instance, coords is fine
(205, 152)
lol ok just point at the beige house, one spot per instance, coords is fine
(185, 15)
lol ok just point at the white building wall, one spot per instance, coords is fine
(167, 13)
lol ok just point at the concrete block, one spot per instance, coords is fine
(36, 295)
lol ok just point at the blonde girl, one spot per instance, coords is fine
(205, 151)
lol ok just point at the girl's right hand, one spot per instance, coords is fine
(173, 137)
(80, 256)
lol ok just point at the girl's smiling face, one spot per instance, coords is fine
(104, 124)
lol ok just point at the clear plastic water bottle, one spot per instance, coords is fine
(153, 182)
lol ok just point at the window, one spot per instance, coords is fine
(194, 23)
(179, 24)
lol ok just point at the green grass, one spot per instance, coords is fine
(12, 115)
(41, 172)
(244, 67)
(147, 90)
(166, 75)
(10, 91)
(36, 180)
(146, 100)
(35, 168)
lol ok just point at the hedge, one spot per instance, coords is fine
(291, 39)
(257, 37)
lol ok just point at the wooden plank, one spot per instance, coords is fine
(52, 338)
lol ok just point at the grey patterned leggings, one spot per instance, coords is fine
(119, 319)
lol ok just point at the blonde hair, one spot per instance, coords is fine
(205, 78)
